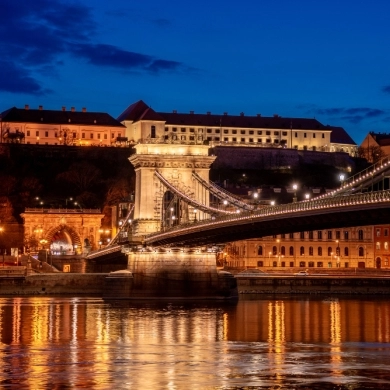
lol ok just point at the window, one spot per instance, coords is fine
(267, 132)
(320, 264)
(386, 232)
(183, 129)
(242, 139)
(314, 135)
(234, 139)
(386, 245)
(360, 235)
(291, 251)
(226, 139)
(82, 135)
(28, 133)
(251, 132)
(319, 235)
(226, 131)
(291, 235)
(216, 138)
(98, 135)
(259, 132)
(276, 132)
(183, 137)
(153, 132)
(311, 252)
(302, 264)
(329, 251)
(209, 131)
(234, 131)
(302, 251)
(319, 251)
(378, 232)
(259, 140)
(310, 235)
(296, 135)
(274, 264)
(284, 133)
(323, 135)
(112, 135)
(192, 130)
(251, 140)
(274, 250)
(361, 251)
(174, 129)
(302, 235)
(268, 140)
(74, 135)
(260, 264)
(200, 130)
(304, 135)
(242, 132)
(192, 138)
(346, 251)
(209, 138)
(37, 133)
(91, 135)
(346, 235)
(378, 245)
(105, 136)
(259, 251)
(311, 264)
(283, 251)
(337, 234)
(217, 131)
(166, 129)
(46, 133)
(329, 234)
(276, 141)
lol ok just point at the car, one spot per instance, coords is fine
(302, 273)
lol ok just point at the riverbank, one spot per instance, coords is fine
(97, 284)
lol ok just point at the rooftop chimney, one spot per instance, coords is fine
(174, 111)
(40, 108)
(84, 109)
(72, 109)
(63, 108)
(225, 113)
(26, 107)
(191, 112)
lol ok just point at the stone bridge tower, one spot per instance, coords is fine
(157, 205)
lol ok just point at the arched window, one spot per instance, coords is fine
(346, 251)
(283, 251)
(361, 251)
(260, 250)
(329, 251)
(291, 251)
(311, 251)
(274, 250)
(319, 251)
(360, 234)
(302, 250)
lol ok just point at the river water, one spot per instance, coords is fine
(258, 343)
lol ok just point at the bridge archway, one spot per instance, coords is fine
(63, 239)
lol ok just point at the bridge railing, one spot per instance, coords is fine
(359, 178)
(314, 204)
(61, 210)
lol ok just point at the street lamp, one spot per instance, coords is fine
(225, 203)
(295, 192)
(278, 241)
(307, 196)
(256, 197)
(195, 211)
(272, 203)
(338, 253)
(342, 177)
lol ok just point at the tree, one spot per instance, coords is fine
(83, 175)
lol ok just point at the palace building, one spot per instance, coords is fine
(140, 123)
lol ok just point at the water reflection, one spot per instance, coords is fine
(291, 343)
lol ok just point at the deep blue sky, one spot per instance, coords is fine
(301, 58)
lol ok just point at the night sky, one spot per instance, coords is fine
(302, 58)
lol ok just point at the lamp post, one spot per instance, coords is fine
(278, 241)
(272, 203)
(256, 199)
(307, 196)
(295, 192)
(342, 177)
(225, 203)
(195, 212)
(338, 254)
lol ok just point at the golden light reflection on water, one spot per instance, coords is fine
(90, 343)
